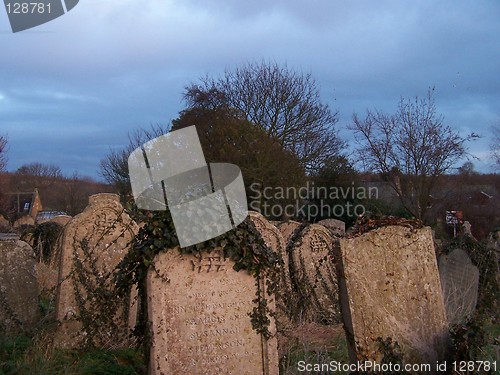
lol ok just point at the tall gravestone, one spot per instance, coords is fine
(274, 239)
(93, 244)
(314, 275)
(390, 288)
(18, 287)
(199, 308)
(460, 284)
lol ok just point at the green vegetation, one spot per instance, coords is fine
(32, 355)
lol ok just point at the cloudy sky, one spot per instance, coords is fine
(73, 88)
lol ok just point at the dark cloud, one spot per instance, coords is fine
(71, 88)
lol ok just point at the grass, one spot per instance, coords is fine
(23, 355)
(312, 344)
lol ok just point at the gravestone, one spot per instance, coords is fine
(61, 219)
(390, 288)
(493, 244)
(18, 287)
(274, 239)
(314, 276)
(270, 234)
(4, 224)
(460, 284)
(336, 226)
(467, 229)
(287, 229)
(24, 220)
(493, 240)
(198, 307)
(93, 243)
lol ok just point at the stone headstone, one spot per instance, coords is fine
(18, 287)
(4, 224)
(61, 219)
(336, 226)
(467, 229)
(287, 229)
(390, 288)
(93, 244)
(493, 240)
(460, 284)
(314, 276)
(198, 307)
(24, 220)
(493, 243)
(274, 239)
(270, 234)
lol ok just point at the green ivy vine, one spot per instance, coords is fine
(243, 245)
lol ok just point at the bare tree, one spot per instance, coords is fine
(412, 148)
(495, 145)
(282, 101)
(114, 166)
(3, 153)
(40, 170)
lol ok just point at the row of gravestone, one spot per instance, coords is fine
(198, 306)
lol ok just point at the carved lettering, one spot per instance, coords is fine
(209, 263)
(214, 332)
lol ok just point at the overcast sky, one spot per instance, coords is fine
(74, 87)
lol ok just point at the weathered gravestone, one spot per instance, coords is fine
(24, 220)
(493, 244)
(314, 275)
(460, 284)
(18, 287)
(274, 239)
(288, 229)
(61, 219)
(199, 309)
(467, 229)
(493, 241)
(4, 224)
(93, 244)
(390, 288)
(336, 226)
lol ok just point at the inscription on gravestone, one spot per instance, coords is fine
(199, 309)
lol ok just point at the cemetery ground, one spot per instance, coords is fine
(74, 320)
(34, 354)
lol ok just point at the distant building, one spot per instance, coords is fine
(25, 204)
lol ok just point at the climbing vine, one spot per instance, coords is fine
(243, 245)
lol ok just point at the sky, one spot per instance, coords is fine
(73, 88)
